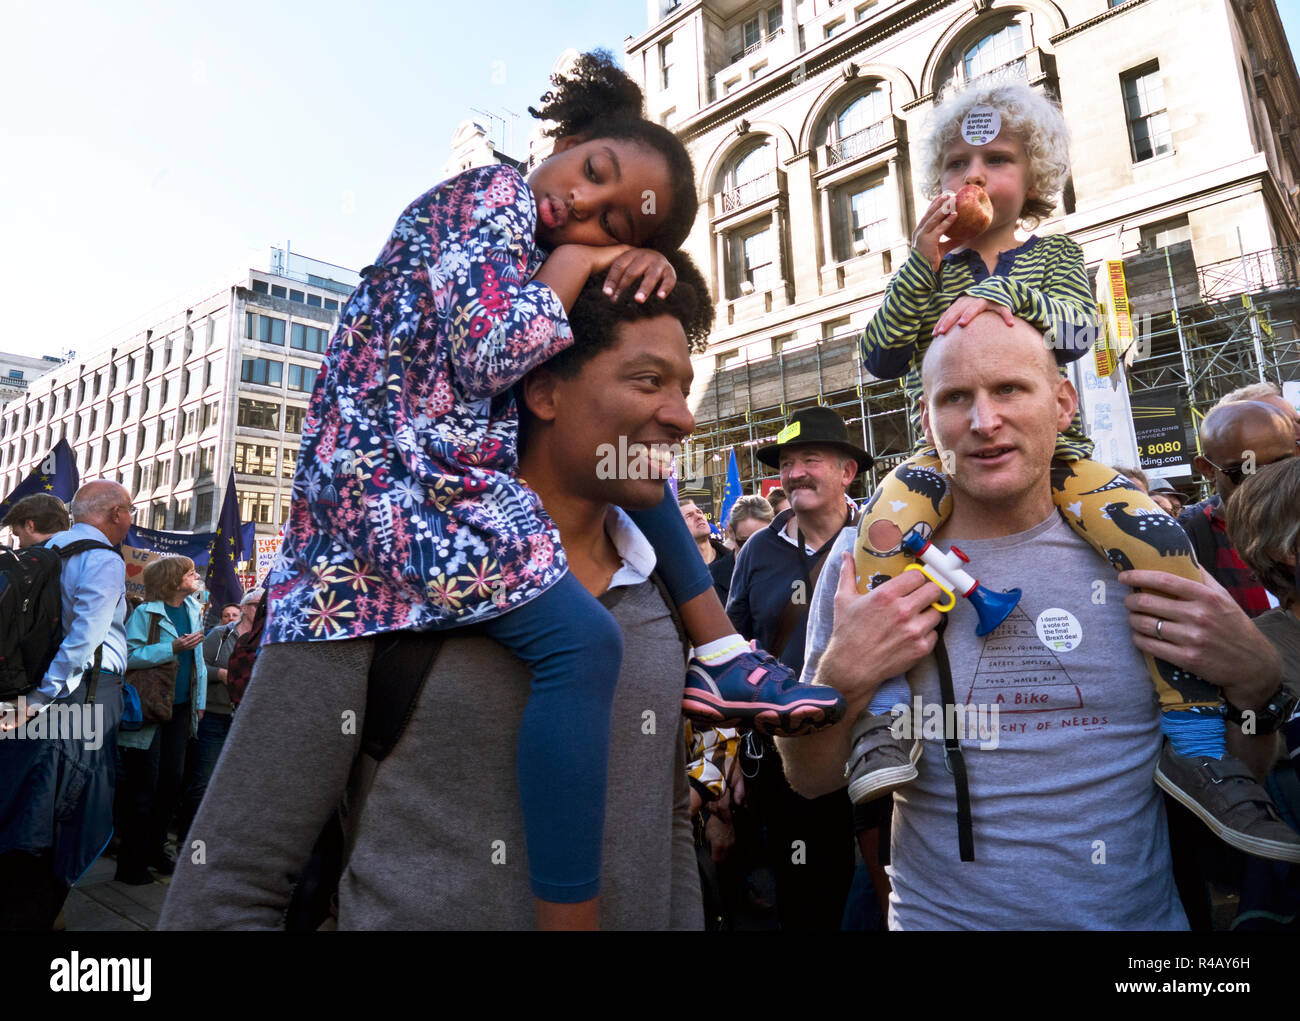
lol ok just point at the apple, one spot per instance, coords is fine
(974, 213)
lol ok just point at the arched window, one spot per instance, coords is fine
(750, 177)
(859, 126)
(994, 50)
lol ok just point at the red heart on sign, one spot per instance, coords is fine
(133, 569)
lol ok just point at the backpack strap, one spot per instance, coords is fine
(953, 758)
(657, 581)
(401, 662)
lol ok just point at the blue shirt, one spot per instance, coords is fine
(180, 616)
(94, 612)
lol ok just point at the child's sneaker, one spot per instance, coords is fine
(1224, 795)
(880, 762)
(755, 690)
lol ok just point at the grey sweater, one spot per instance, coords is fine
(439, 842)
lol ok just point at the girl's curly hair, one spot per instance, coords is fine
(1030, 115)
(598, 100)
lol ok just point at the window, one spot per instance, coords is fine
(187, 466)
(265, 328)
(130, 369)
(313, 300)
(331, 305)
(148, 360)
(833, 328)
(297, 296)
(773, 21)
(207, 460)
(859, 127)
(259, 414)
(864, 12)
(108, 414)
(1144, 107)
(278, 292)
(754, 259)
(752, 33)
(202, 511)
(255, 459)
(750, 178)
(211, 412)
(94, 417)
(182, 522)
(861, 218)
(301, 377)
(288, 462)
(257, 507)
(166, 430)
(835, 27)
(1165, 233)
(307, 338)
(164, 471)
(126, 408)
(260, 287)
(166, 386)
(207, 374)
(103, 454)
(262, 370)
(994, 50)
(665, 62)
(293, 419)
(15, 373)
(191, 422)
(158, 514)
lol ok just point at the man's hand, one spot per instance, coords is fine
(9, 715)
(186, 642)
(966, 308)
(1202, 629)
(880, 634)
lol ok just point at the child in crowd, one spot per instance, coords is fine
(1011, 141)
(408, 513)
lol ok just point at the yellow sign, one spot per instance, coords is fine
(789, 432)
(1119, 322)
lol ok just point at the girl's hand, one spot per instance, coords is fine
(932, 225)
(650, 267)
(966, 308)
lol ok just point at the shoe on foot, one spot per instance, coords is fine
(755, 690)
(164, 864)
(880, 762)
(1224, 795)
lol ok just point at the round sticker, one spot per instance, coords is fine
(1058, 630)
(981, 125)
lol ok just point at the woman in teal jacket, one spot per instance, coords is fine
(153, 758)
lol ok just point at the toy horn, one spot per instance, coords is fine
(992, 608)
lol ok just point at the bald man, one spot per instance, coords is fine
(56, 801)
(1236, 439)
(1060, 769)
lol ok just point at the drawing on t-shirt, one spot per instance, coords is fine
(1019, 674)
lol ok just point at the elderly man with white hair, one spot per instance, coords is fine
(56, 801)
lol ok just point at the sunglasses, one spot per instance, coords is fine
(1237, 472)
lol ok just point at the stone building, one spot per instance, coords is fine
(803, 116)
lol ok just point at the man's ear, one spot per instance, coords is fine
(1207, 471)
(925, 422)
(538, 394)
(1068, 397)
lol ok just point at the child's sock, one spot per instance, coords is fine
(890, 694)
(1193, 734)
(723, 650)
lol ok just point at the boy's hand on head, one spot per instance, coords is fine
(966, 308)
(650, 267)
(930, 229)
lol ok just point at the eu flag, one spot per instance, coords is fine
(222, 581)
(56, 475)
(730, 492)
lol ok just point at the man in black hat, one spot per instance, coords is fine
(810, 841)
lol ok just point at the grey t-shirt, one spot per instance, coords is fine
(1069, 827)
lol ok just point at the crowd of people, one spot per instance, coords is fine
(460, 701)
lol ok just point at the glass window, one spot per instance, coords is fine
(255, 459)
(301, 377)
(1144, 106)
(752, 33)
(756, 260)
(297, 296)
(262, 370)
(293, 419)
(331, 305)
(265, 328)
(773, 20)
(278, 292)
(313, 300)
(202, 511)
(288, 461)
(307, 338)
(862, 214)
(862, 113)
(994, 50)
(259, 414)
(260, 287)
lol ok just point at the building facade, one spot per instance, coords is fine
(803, 116)
(17, 372)
(168, 411)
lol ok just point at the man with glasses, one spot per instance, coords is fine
(56, 799)
(1237, 439)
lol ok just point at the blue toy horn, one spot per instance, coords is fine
(993, 607)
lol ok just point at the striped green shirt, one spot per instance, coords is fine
(1043, 282)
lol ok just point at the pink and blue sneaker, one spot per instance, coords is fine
(755, 690)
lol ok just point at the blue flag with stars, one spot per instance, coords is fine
(227, 549)
(56, 474)
(730, 492)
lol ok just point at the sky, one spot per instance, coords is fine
(155, 151)
(151, 149)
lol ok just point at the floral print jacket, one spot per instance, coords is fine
(407, 510)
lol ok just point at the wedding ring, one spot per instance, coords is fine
(1159, 625)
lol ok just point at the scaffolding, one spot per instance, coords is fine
(1209, 332)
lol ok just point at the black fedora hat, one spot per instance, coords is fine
(819, 426)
